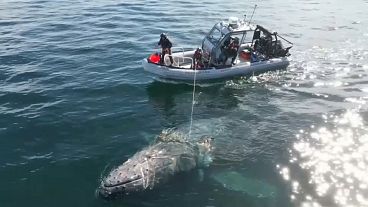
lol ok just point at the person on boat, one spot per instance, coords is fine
(224, 49)
(231, 50)
(197, 59)
(166, 45)
(263, 46)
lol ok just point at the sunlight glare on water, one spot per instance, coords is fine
(75, 100)
(335, 160)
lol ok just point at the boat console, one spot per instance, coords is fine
(254, 38)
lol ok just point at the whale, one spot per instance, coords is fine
(170, 154)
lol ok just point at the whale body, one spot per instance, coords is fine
(156, 164)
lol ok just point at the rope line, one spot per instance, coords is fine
(193, 101)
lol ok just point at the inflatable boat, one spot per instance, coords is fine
(231, 48)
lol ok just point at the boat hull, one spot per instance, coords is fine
(241, 69)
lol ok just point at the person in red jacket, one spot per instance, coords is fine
(197, 59)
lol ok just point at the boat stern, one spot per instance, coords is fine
(152, 68)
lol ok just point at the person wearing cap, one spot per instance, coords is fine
(166, 45)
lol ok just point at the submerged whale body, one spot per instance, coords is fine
(240, 182)
(156, 164)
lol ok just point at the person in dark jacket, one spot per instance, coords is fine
(230, 50)
(165, 48)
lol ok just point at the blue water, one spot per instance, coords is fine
(74, 102)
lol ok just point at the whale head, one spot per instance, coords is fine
(130, 177)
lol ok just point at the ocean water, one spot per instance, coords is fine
(75, 102)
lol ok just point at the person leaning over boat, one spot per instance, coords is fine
(165, 48)
(229, 49)
(197, 59)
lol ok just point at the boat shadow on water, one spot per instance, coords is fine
(167, 97)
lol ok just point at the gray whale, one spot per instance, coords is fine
(170, 154)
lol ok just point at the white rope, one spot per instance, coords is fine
(193, 101)
(143, 180)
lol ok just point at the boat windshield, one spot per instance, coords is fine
(215, 36)
(248, 37)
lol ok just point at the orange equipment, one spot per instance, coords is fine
(154, 58)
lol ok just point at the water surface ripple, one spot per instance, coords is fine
(74, 102)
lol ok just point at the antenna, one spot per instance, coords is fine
(255, 6)
(245, 15)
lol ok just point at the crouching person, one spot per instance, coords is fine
(197, 59)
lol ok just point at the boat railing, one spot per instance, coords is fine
(179, 48)
(179, 63)
(190, 59)
(173, 49)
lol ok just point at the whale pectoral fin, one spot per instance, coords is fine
(186, 163)
(240, 182)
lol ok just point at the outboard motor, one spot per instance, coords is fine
(268, 45)
(279, 50)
